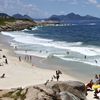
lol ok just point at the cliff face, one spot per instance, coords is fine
(16, 25)
(70, 90)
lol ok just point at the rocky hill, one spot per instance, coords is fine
(4, 16)
(9, 23)
(74, 18)
(19, 16)
(16, 25)
(70, 90)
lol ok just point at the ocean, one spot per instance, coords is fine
(78, 43)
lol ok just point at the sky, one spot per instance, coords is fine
(46, 8)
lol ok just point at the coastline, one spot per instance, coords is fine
(17, 25)
(81, 71)
(22, 74)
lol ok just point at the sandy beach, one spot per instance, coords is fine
(23, 74)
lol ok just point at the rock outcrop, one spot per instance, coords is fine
(17, 25)
(70, 90)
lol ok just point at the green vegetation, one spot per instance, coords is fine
(2, 21)
(17, 94)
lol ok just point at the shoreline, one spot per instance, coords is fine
(81, 71)
(17, 25)
(22, 74)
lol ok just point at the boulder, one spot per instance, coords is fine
(69, 90)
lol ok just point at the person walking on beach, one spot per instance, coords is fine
(58, 72)
(30, 58)
(57, 75)
(25, 57)
(6, 61)
(19, 58)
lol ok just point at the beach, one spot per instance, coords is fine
(28, 73)
(22, 73)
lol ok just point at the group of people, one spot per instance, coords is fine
(4, 61)
(27, 58)
(94, 85)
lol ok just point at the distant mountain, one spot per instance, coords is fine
(4, 16)
(16, 16)
(72, 17)
(19, 16)
(27, 17)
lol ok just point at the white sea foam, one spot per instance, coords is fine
(88, 61)
(35, 28)
(25, 30)
(92, 24)
(8, 34)
(74, 46)
(57, 48)
(32, 53)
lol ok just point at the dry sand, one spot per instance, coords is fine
(22, 74)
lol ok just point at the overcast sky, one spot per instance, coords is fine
(46, 8)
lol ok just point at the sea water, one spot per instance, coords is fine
(78, 43)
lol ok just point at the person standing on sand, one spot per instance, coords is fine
(30, 58)
(25, 57)
(6, 61)
(58, 72)
(19, 58)
(57, 75)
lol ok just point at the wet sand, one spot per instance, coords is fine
(39, 70)
(23, 73)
